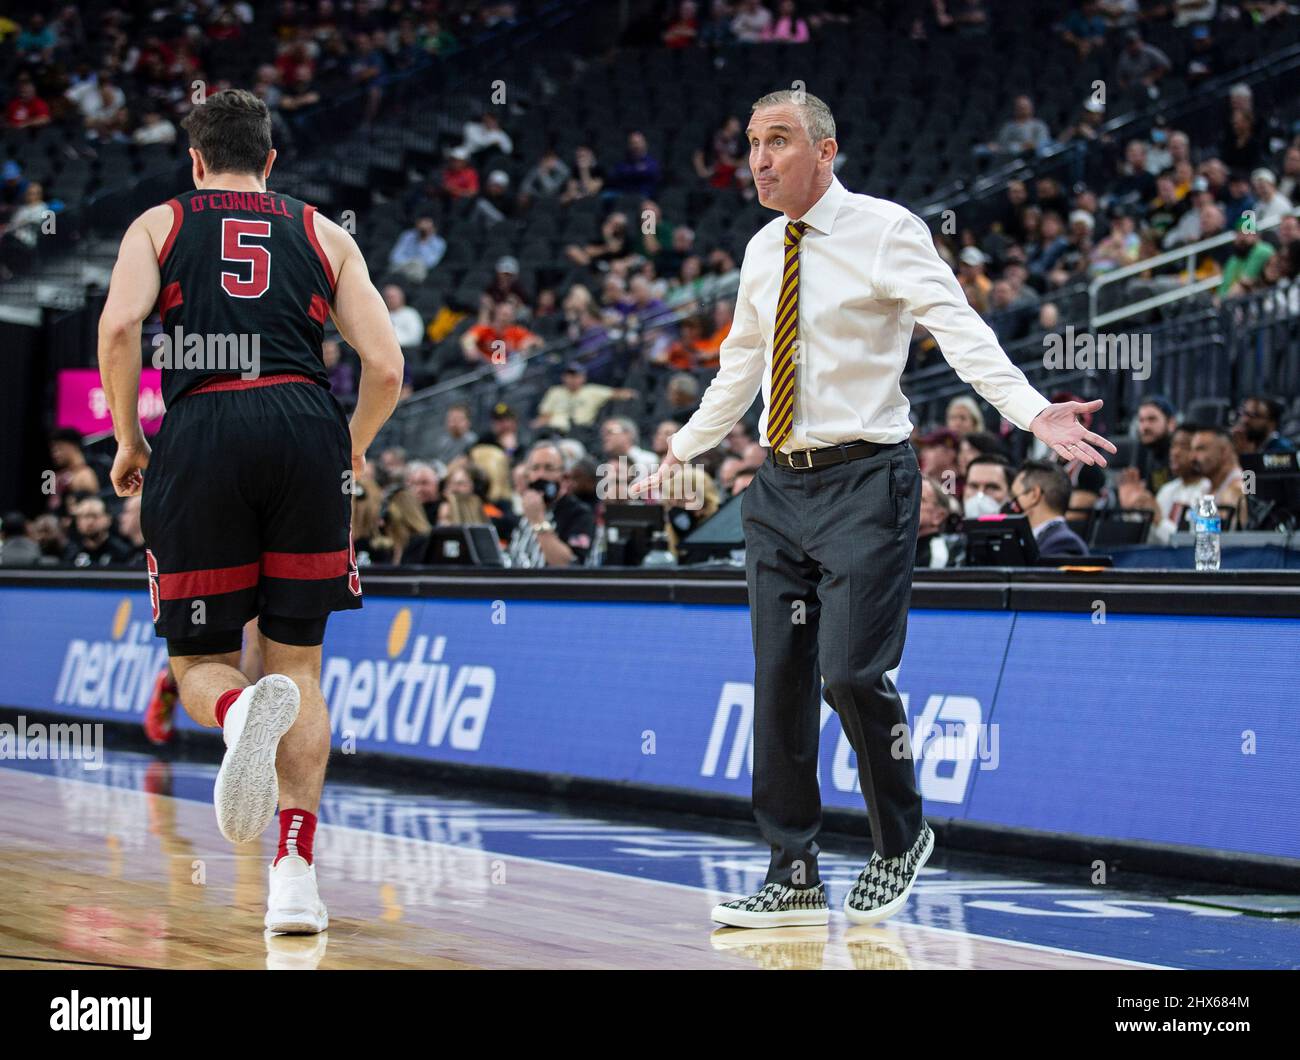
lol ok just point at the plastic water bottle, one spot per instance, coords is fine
(660, 555)
(1207, 534)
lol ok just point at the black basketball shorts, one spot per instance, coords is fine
(246, 508)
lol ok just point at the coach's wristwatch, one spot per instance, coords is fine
(544, 527)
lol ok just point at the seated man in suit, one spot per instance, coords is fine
(1042, 492)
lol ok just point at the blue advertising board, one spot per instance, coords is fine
(1171, 729)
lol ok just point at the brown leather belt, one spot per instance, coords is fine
(809, 459)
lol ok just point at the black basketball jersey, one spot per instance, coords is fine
(246, 290)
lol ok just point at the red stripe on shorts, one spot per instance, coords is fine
(185, 585)
(305, 566)
(215, 385)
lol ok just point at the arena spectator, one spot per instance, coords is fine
(1178, 496)
(664, 431)
(403, 529)
(407, 322)
(963, 416)
(26, 222)
(485, 135)
(72, 474)
(1085, 28)
(611, 247)
(27, 110)
(722, 155)
(17, 547)
(987, 485)
(96, 543)
(787, 27)
(1242, 148)
(417, 251)
(1257, 429)
(459, 178)
(1214, 458)
(935, 547)
(1023, 133)
(392, 465)
(50, 537)
(692, 500)
(974, 282)
(1141, 66)
(588, 177)
(619, 438)
(938, 454)
(505, 286)
(422, 480)
(556, 529)
(458, 434)
(1041, 491)
(460, 504)
(1241, 272)
(1270, 204)
(1155, 429)
(499, 341)
(684, 27)
(638, 173)
(546, 180)
(103, 110)
(154, 128)
(496, 203)
(751, 22)
(1289, 185)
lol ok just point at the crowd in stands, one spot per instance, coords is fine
(1162, 192)
(100, 75)
(970, 472)
(641, 306)
(545, 485)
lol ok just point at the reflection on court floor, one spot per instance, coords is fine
(124, 867)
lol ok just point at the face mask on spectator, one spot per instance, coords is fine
(548, 489)
(978, 504)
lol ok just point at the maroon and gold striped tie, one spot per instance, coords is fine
(780, 406)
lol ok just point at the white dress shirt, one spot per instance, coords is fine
(868, 271)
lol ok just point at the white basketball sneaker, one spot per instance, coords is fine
(247, 789)
(293, 905)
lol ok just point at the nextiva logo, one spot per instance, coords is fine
(115, 673)
(411, 700)
(948, 738)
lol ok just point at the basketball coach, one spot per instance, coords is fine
(829, 293)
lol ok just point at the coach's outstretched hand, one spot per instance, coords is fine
(651, 483)
(1059, 427)
(128, 468)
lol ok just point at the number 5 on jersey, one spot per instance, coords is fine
(253, 260)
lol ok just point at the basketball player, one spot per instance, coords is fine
(246, 495)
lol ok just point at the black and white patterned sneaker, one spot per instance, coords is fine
(883, 886)
(776, 905)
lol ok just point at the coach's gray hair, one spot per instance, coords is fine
(814, 115)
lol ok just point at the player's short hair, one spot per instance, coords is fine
(814, 115)
(232, 131)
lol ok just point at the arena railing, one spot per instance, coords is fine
(1189, 288)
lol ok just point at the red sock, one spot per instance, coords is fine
(223, 704)
(297, 830)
